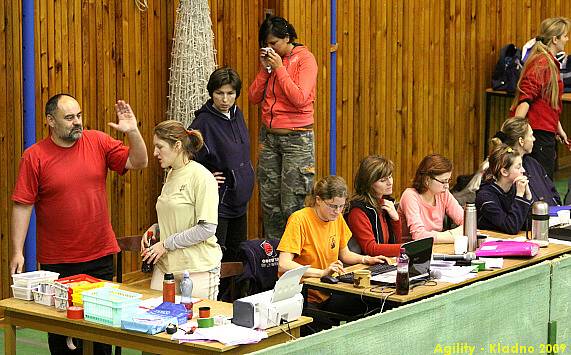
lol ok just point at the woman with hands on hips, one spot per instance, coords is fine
(187, 212)
(317, 236)
(504, 198)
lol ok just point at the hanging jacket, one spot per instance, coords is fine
(260, 259)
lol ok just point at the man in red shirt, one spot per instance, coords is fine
(64, 177)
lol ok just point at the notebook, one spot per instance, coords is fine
(553, 210)
(419, 253)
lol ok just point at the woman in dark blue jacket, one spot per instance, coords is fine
(504, 198)
(517, 133)
(226, 153)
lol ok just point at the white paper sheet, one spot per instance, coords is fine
(229, 334)
(493, 263)
(454, 274)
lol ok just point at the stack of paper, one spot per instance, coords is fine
(230, 334)
(451, 273)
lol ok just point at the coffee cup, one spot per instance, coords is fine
(460, 245)
(362, 278)
(564, 216)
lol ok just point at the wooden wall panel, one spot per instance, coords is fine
(410, 81)
(412, 85)
(11, 138)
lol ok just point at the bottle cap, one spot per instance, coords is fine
(171, 328)
(402, 250)
(169, 276)
(186, 273)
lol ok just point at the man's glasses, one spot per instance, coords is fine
(443, 182)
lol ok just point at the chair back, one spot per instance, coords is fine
(260, 259)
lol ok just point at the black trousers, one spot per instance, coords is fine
(230, 232)
(343, 304)
(545, 150)
(101, 268)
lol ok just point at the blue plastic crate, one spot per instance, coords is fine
(108, 305)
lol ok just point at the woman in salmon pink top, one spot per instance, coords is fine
(423, 206)
(285, 88)
(372, 217)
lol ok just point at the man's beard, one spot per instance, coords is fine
(74, 134)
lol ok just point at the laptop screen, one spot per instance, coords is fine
(419, 253)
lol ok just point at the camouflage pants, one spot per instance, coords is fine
(286, 168)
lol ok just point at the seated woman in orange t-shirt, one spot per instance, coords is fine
(317, 236)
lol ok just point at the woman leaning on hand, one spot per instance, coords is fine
(187, 212)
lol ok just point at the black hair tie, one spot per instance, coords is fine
(501, 136)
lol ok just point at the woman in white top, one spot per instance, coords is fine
(187, 212)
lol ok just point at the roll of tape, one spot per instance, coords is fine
(204, 312)
(75, 312)
(205, 322)
(481, 264)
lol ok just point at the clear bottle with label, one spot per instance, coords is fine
(402, 282)
(186, 293)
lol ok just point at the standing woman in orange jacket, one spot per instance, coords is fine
(285, 87)
(539, 91)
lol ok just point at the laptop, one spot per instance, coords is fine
(419, 253)
(288, 285)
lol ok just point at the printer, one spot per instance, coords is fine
(267, 309)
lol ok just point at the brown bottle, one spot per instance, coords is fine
(147, 266)
(402, 282)
(169, 289)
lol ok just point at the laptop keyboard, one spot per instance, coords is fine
(375, 270)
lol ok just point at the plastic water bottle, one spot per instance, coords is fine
(402, 281)
(186, 293)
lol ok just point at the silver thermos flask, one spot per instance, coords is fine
(470, 225)
(540, 221)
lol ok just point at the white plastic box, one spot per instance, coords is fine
(61, 303)
(44, 294)
(23, 293)
(33, 278)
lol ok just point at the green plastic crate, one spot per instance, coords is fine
(108, 305)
